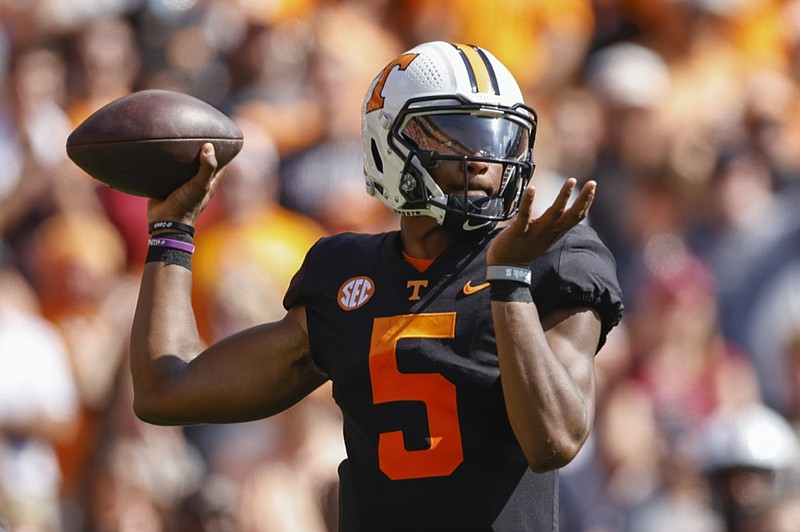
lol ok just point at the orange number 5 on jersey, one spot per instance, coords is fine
(434, 390)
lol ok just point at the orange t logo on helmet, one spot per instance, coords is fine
(376, 100)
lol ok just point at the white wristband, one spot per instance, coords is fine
(509, 273)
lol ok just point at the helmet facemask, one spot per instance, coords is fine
(430, 131)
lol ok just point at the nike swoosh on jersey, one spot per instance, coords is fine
(469, 289)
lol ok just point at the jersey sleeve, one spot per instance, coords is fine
(294, 294)
(579, 271)
(300, 290)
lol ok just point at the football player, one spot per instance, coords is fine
(460, 347)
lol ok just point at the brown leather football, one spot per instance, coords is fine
(148, 143)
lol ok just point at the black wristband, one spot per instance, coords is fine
(171, 253)
(175, 226)
(510, 291)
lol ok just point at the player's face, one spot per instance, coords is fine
(466, 144)
(481, 178)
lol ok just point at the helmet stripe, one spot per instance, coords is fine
(489, 70)
(470, 71)
(481, 74)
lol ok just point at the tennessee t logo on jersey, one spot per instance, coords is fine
(355, 292)
(415, 286)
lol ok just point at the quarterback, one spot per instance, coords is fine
(460, 347)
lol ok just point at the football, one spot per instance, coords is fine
(148, 143)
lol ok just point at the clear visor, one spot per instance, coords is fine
(466, 134)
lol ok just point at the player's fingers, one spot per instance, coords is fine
(203, 182)
(525, 207)
(565, 193)
(208, 164)
(188, 200)
(580, 209)
(559, 206)
(208, 157)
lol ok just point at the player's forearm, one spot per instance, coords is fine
(549, 412)
(164, 334)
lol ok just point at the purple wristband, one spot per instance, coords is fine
(170, 243)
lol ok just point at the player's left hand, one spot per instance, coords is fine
(526, 238)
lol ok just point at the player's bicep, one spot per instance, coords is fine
(573, 334)
(252, 374)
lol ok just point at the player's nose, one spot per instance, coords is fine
(482, 178)
(477, 167)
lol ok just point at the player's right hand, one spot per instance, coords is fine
(526, 237)
(185, 203)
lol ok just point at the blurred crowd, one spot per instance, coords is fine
(686, 112)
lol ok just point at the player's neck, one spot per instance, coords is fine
(423, 238)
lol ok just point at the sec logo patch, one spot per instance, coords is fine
(355, 292)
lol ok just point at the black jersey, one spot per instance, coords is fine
(413, 361)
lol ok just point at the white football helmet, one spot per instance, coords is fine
(751, 457)
(443, 101)
(755, 437)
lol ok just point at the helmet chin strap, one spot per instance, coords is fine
(464, 218)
